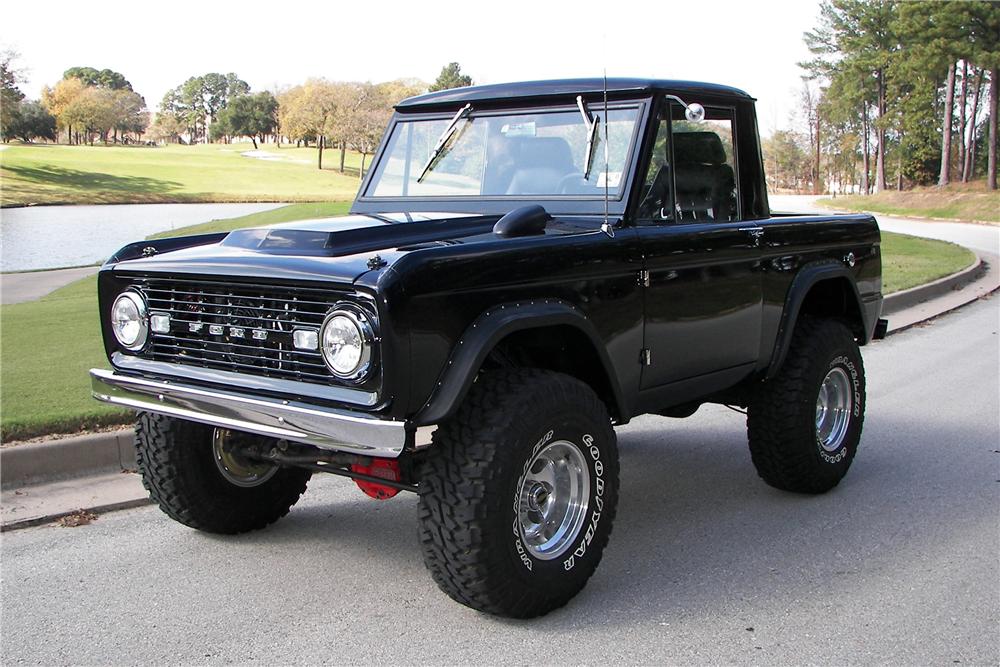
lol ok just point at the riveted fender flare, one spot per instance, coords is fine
(808, 276)
(490, 328)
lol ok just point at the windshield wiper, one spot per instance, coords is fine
(592, 125)
(443, 140)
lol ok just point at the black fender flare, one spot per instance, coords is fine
(492, 326)
(804, 280)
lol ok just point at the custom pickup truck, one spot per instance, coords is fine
(525, 267)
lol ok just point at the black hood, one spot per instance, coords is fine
(353, 239)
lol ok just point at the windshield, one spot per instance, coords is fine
(538, 153)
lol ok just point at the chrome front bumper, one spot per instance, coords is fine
(327, 428)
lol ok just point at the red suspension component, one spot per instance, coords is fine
(382, 468)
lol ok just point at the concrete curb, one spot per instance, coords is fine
(55, 516)
(76, 456)
(908, 298)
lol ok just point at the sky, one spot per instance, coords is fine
(750, 45)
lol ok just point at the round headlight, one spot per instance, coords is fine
(129, 320)
(345, 340)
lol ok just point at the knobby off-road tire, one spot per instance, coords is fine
(799, 439)
(179, 470)
(483, 495)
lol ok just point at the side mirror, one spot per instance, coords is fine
(694, 112)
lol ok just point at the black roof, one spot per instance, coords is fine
(566, 87)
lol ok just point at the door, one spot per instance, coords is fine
(703, 283)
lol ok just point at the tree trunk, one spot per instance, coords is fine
(816, 181)
(343, 153)
(899, 163)
(864, 151)
(991, 169)
(949, 104)
(361, 172)
(961, 114)
(254, 140)
(320, 141)
(880, 135)
(969, 136)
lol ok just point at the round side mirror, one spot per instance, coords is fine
(694, 112)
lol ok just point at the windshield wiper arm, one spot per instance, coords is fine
(592, 125)
(443, 140)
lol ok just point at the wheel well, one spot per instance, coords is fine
(834, 298)
(562, 348)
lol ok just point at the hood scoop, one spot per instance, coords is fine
(352, 235)
(523, 221)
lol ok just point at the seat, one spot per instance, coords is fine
(537, 165)
(706, 188)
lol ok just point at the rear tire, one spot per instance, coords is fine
(519, 493)
(181, 473)
(804, 425)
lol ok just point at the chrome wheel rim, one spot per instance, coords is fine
(553, 499)
(833, 409)
(234, 468)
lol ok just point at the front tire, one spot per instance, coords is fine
(197, 482)
(519, 493)
(804, 425)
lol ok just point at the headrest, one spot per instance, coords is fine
(698, 148)
(552, 152)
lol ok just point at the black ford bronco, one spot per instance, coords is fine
(525, 267)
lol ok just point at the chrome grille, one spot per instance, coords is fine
(236, 327)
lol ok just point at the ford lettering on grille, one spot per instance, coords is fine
(239, 328)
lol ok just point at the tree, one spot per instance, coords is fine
(370, 112)
(128, 110)
(984, 30)
(93, 110)
(309, 112)
(940, 37)
(33, 122)
(167, 128)
(854, 44)
(199, 100)
(991, 169)
(98, 101)
(104, 78)
(59, 101)
(788, 164)
(253, 116)
(451, 77)
(10, 94)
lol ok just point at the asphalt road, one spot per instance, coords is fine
(706, 564)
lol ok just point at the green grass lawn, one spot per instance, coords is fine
(50, 344)
(908, 261)
(48, 347)
(50, 174)
(962, 201)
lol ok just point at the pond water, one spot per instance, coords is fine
(49, 237)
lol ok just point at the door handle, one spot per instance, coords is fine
(754, 232)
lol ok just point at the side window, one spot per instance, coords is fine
(704, 166)
(656, 201)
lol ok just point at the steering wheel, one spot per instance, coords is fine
(570, 184)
